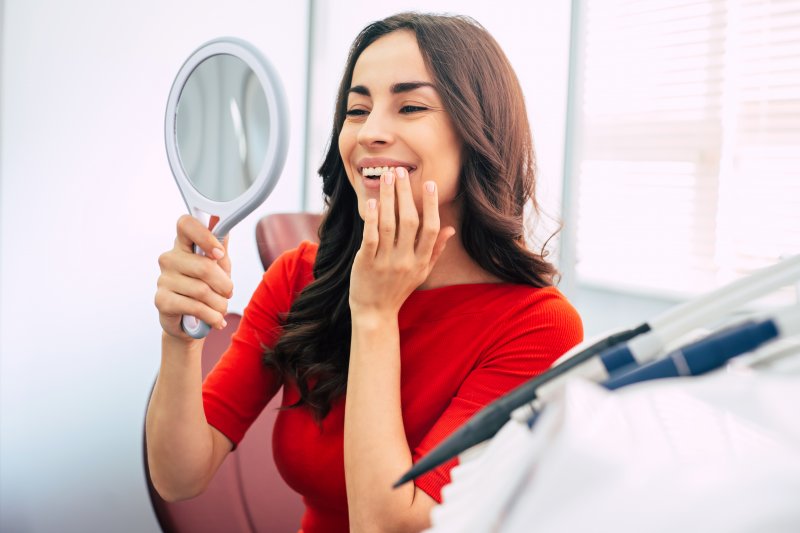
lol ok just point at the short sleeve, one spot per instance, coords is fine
(528, 341)
(240, 386)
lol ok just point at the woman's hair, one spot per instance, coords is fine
(483, 98)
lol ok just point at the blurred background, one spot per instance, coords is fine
(667, 135)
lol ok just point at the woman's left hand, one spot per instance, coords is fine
(397, 252)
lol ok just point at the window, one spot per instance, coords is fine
(688, 141)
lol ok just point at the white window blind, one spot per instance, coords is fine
(689, 142)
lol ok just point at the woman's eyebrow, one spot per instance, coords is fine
(358, 89)
(407, 86)
(397, 88)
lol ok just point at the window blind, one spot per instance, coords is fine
(689, 142)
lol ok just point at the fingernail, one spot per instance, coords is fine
(224, 324)
(430, 186)
(218, 253)
(389, 177)
(371, 203)
(402, 172)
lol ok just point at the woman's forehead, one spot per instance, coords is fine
(391, 58)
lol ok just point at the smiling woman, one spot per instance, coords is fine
(420, 305)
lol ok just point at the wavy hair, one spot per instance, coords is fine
(482, 95)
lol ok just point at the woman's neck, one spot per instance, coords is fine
(456, 267)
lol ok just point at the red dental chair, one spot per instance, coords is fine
(247, 494)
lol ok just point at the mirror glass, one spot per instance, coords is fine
(221, 127)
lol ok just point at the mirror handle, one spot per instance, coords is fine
(193, 326)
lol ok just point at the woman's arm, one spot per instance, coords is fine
(376, 450)
(183, 451)
(387, 268)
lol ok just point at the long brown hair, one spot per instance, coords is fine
(482, 95)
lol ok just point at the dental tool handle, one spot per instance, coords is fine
(193, 326)
(702, 356)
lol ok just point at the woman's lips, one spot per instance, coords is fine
(372, 183)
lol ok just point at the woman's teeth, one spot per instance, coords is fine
(376, 172)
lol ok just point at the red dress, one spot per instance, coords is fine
(461, 347)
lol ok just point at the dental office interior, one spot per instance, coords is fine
(667, 138)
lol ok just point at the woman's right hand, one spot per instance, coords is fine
(192, 284)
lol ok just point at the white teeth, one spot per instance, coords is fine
(374, 171)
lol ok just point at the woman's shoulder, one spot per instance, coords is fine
(306, 254)
(525, 303)
(548, 311)
(295, 266)
(539, 322)
(515, 309)
(543, 299)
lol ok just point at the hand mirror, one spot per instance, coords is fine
(226, 132)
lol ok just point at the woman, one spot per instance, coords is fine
(420, 305)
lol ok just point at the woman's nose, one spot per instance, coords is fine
(377, 129)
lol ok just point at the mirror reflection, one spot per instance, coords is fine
(222, 127)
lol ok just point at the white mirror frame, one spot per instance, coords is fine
(233, 211)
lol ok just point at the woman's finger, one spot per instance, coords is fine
(191, 231)
(441, 242)
(386, 220)
(407, 216)
(194, 289)
(370, 239)
(199, 267)
(225, 262)
(171, 304)
(429, 231)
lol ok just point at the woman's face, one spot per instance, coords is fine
(395, 118)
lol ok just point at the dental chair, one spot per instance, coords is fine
(247, 494)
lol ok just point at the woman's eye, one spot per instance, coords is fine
(356, 112)
(412, 108)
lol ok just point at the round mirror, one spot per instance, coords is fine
(222, 125)
(226, 132)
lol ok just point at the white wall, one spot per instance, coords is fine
(88, 203)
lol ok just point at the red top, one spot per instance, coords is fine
(461, 347)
